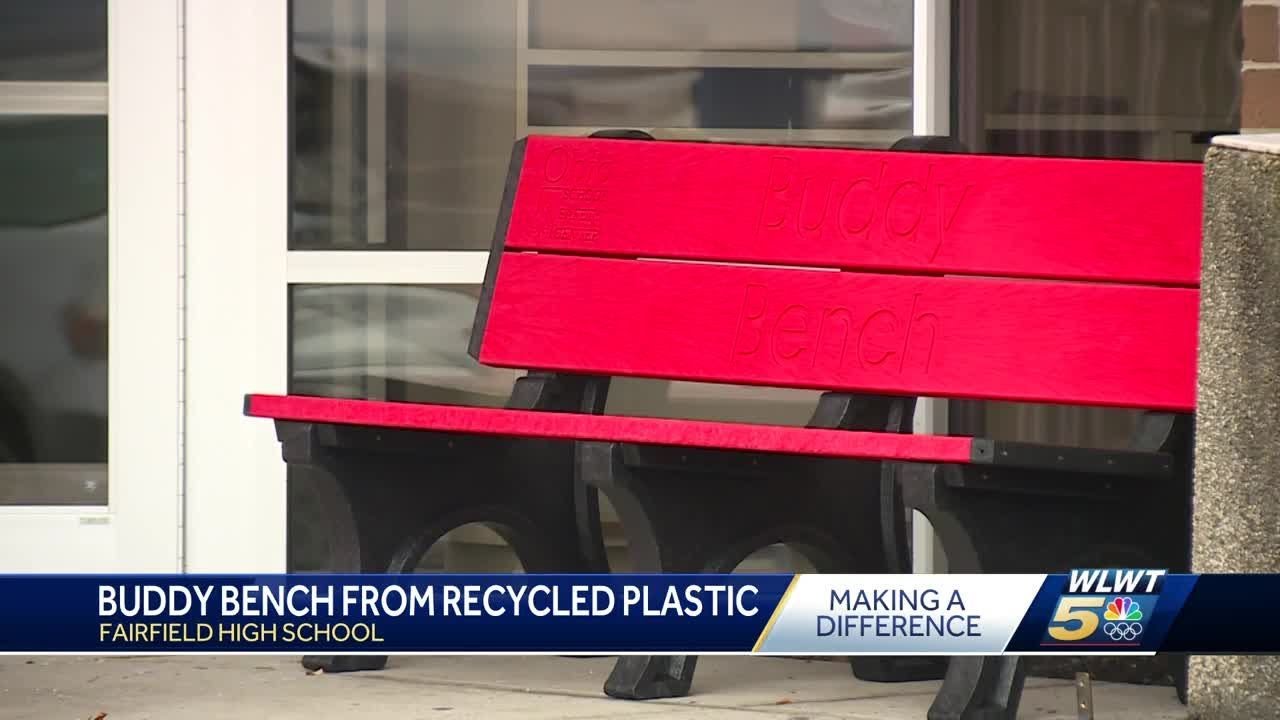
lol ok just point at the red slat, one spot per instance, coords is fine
(612, 428)
(1126, 221)
(1027, 340)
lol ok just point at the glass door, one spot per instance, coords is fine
(400, 118)
(89, 308)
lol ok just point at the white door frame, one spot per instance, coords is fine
(138, 530)
(931, 115)
(240, 269)
(237, 206)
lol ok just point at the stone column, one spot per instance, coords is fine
(1236, 516)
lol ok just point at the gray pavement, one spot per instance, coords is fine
(446, 688)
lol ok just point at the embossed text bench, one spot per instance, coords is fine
(875, 277)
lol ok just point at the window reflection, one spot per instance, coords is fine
(53, 310)
(390, 342)
(53, 40)
(405, 112)
(1120, 79)
(1140, 79)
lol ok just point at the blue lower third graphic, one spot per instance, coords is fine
(387, 614)
(1088, 612)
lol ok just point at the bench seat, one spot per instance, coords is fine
(747, 437)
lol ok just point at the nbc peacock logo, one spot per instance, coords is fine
(1123, 608)
(1123, 617)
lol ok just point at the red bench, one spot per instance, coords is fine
(877, 277)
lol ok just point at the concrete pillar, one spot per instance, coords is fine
(1236, 516)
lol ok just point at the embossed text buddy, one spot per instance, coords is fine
(877, 205)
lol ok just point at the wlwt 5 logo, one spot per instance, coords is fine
(1093, 612)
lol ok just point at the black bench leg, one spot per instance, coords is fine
(975, 687)
(847, 411)
(347, 554)
(634, 677)
(343, 663)
(649, 677)
(895, 668)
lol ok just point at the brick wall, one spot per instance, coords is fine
(1260, 82)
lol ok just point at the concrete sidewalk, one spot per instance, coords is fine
(445, 688)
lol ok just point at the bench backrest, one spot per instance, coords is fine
(1027, 279)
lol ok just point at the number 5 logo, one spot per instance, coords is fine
(1075, 610)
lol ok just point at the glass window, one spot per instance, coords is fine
(1120, 79)
(53, 309)
(53, 40)
(405, 112)
(403, 343)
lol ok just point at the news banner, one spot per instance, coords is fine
(1084, 612)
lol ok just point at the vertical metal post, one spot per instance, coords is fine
(1084, 696)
